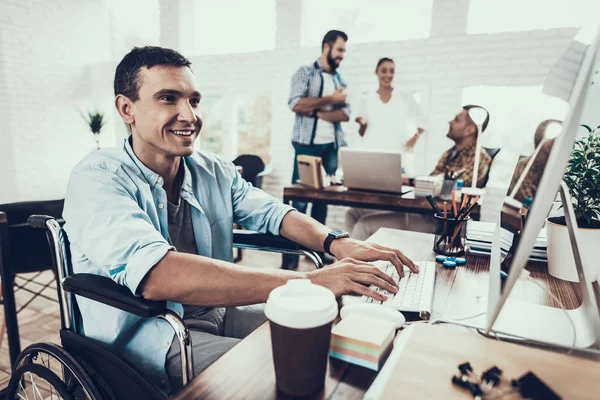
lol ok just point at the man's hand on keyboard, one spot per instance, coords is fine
(352, 276)
(364, 251)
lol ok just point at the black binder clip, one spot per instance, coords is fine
(492, 376)
(466, 369)
(465, 383)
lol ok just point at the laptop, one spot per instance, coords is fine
(373, 170)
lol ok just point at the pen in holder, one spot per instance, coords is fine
(450, 235)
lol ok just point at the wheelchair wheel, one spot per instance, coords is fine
(47, 371)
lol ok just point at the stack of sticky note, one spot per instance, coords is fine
(362, 340)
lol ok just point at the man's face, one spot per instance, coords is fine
(335, 53)
(166, 115)
(460, 128)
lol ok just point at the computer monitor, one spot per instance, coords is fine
(533, 322)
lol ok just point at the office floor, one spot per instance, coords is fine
(40, 319)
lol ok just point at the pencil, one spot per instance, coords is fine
(464, 201)
(445, 218)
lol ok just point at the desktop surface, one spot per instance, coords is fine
(342, 196)
(426, 357)
(247, 369)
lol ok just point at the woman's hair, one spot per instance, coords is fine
(381, 61)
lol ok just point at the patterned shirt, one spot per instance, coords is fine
(455, 160)
(530, 184)
(308, 82)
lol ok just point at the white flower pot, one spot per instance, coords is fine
(561, 263)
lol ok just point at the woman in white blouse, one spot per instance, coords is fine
(389, 119)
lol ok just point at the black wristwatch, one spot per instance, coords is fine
(331, 237)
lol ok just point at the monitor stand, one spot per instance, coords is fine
(542, 325)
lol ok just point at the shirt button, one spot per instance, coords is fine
(166, 344)
(161, 205)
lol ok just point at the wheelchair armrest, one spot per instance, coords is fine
(106, 291)
(39, 221)
(252, 239)
(265, 242)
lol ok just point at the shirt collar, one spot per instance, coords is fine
(318, 64)
(152, 177)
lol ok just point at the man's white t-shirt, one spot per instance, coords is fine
(325, 130)
(391, 124)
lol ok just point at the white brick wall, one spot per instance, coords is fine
(48, 67)
(48, 53)
(45, 47)
(440, 67)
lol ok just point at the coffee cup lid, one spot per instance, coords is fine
(301, 304)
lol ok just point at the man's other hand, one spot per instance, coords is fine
(352, 276)
(364, 251)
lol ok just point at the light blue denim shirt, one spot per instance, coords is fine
(116, 219)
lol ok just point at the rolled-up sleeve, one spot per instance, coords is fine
(255, 209)
(299, 87)
(107, 226)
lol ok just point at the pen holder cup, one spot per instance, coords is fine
(447, 188)
(450, 236)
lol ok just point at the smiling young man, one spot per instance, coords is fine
(157, 217)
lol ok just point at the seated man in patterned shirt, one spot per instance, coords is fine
(461, 157)
(529, 185)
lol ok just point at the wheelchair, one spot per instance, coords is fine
(83, 368)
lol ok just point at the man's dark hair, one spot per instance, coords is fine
(331, 36)
(127, 76)
(381, 61)
(485, 122)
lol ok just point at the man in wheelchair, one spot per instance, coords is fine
(156, 217)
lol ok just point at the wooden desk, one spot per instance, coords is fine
(342, 196)
(246, 371)
(426, 357)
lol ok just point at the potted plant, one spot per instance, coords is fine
(582, 176)
(95, 121)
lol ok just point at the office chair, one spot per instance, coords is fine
(17, 256)
(253, 171)
(83, 368)
(492, 152)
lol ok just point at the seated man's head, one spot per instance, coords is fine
(462, 129)
(540, 131)
(157, 97)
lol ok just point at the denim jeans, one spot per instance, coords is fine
(329, 156)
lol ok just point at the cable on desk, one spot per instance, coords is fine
(562, 306)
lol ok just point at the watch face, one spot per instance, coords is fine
(339, 234)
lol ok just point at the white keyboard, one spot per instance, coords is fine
(415, 291)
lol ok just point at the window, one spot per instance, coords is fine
(233, 26)
(366, 21)
(493, 16)
(211, 137)
(515, 112)
(254, 126)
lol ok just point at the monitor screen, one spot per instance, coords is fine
(541, 183)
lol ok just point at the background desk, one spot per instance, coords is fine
(247, 369)
(342, 196)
